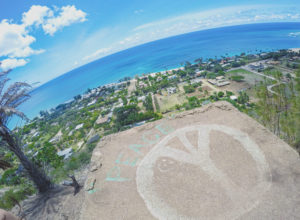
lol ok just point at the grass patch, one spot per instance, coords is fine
(239, 71)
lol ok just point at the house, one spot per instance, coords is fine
(220, 77)
(222, 83)
(171, 90)
(233, 97)
(264, 55)
(153, 74)
(92, 102)
(142, 84)
(252, 56)
(159, 79)
(273, 62)
(172, 77)
(143, 77)
(197, 80)
(142, 98)
(219, 82)
(199, 73)
(256, 66)
(225, 65)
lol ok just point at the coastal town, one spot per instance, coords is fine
(61, 140)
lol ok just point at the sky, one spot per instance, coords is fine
(43, 39)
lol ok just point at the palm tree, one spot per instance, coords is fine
(10, 98)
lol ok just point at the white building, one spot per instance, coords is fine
(142, 98)
(233, 97)
(197, 80)
(159, 79)
(171, 90)
(199, 72)
(92, 102)
(256, 66)
(142, 84)
(220, 77)
(172, 77)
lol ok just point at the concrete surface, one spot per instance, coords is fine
(209, 163)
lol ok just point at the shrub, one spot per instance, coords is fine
(220, 94)
(11, 197)
(188, 89)
(10, 177)
(84, 157)
(237, 78)
(73, 164)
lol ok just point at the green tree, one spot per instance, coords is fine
(220, 94)
(148, 103)
(243, 98)
(125, 102)
(189, 89)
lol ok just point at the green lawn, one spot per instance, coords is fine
(239, 71)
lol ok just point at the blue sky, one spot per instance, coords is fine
(43, 39)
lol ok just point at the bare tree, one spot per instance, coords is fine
(11, 97)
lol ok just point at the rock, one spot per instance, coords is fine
(67, 183)
(79, 144)
(93, 139)
(90, 184)
(96, 161)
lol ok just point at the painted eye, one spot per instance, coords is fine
(165, 164)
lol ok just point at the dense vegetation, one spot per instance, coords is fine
(280, 111)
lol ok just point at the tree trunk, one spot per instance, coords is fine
(40, 179)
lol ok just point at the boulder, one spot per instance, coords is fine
(93, 139)
(96, 161)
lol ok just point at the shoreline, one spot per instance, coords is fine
(35, 112)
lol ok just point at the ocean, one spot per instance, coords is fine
(161, 55)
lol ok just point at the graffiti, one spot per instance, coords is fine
(163, 158)
(148, 138)
(114, 175)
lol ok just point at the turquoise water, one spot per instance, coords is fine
(160, 55)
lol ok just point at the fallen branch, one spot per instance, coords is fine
(74, 184)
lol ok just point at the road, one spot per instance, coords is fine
(269, 87)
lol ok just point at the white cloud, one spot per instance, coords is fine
(140, 11)
(12, 63)
(16, 40)
(211, 19)
(36, 15)
(197, 21)
(97, 54)
(68, 15)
